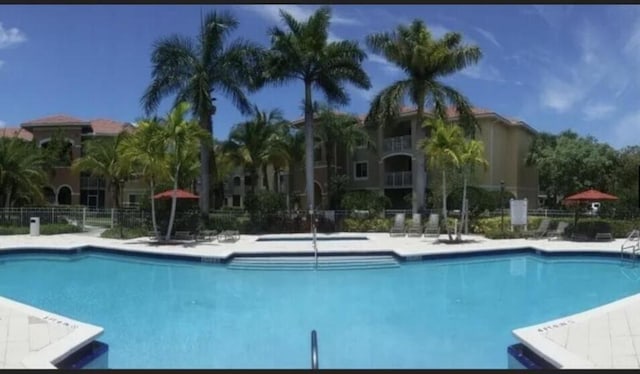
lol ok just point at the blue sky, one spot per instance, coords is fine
(555, 67)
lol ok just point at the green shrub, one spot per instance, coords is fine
(376, 224)
(48, 229)
(264, 209)
(497, 234)
(365, 200)
(124, 233)
(486, 225)
(591, 226)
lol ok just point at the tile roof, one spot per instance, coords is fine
(108, 127)
(55, 120)
(15, 131)
(100, 126)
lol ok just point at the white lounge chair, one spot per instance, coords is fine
(432, 228)
(415, 228)
(398, 225)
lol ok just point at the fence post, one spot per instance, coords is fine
(52, 215)
(84, 217)
(112, 216)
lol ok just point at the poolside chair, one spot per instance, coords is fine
(558, 232)
(206, 235)
(398, 225)
(227, 236)
(540, 232)
(432, 228)
(415, 228)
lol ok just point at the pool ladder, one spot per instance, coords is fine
(314, 350)
(633, 243)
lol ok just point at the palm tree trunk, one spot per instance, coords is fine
(265, 177)
(463, 215)
(207, 164)
(308, 145)
(419, 184)
(290, 187)
(153, 209)
(174, 201)
(444, 203)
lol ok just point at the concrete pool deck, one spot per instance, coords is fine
(565, 344)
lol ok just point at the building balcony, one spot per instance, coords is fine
(92, 183)
(396, 144)
(398, 179)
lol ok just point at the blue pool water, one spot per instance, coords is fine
(455, 313)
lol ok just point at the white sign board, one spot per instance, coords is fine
(518, 209)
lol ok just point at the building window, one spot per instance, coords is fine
(236, 181)
(361, 143)
(236, 200)
(247, 180)
(361, 170)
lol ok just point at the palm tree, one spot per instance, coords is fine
(302, 52)
(180, 139)
(425, 61)
(194, 70)
(22, 172)
(470, 154)
(146, 152)
(294, 148)
(103, 157)
(338, 131)
(444, 148)
(255, 143)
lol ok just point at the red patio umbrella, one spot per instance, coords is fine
(590, 195)
(180, 194)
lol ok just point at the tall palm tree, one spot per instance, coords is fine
(425, 62)
(444, 148)
(302, 52)
(22, 172)
(194, 69)
(180, 137)
(254, 143)
(146, 151)
(103, 157)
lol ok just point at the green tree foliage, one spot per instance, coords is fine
(302, 52)
(569, 163)
(194, 70)
(425, 62)
(22, 172)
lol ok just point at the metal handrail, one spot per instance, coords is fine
(634, 240)
(314, 350)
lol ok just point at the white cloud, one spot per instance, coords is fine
(489, 36)
(596, 69)
(386, 65)
(483, 72)
(300, 13)
(597, 111)
(12, 36)
(619, 135)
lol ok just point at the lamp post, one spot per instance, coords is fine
(501, 206)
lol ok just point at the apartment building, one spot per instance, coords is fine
(392, 166)
(66, 187)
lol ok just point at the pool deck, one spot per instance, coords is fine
(32, 338)
(604, 337)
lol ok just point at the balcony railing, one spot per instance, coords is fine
(397, 144)
(398, 179)
(92, 183)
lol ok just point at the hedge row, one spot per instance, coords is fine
(48, 229)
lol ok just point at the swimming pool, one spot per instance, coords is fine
(445, 313)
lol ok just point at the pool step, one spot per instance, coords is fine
(308, 263)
